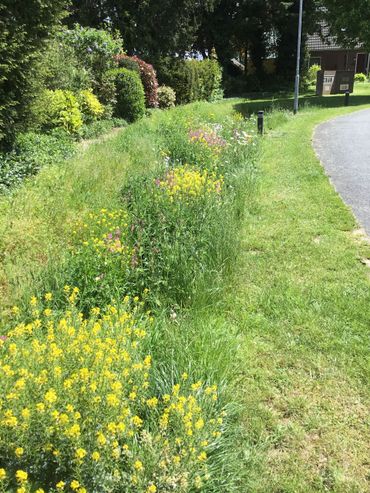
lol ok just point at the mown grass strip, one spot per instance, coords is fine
(301, 303)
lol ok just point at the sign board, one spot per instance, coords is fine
(334, 82)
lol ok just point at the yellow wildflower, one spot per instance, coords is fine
(80, 453)
(137, 421)
(19, 451)
(50, 396)
(138, 465)
(95, 456)
(21, 476)
(202, 457)
(152, 402)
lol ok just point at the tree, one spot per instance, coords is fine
(348, 21)
(150, 28)
(24, 27)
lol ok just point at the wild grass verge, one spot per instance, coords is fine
(154, 218)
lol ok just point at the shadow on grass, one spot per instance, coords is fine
(269, 103)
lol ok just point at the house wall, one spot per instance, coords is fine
(338, 60)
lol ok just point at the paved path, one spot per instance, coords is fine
(343, 146)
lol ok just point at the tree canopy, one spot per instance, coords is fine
(349, 21)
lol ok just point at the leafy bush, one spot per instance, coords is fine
(360, 77)
(166, 97)
(195, 80)
(84, 411)
(24, 27)
(95, 50)
(147, 74)
(128, 62)
(89, 105)
(129, 94)
(211, 76)
(62, 110)
(31, 153)
(59, 68)
(311, 77)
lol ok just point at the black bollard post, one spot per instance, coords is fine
(260, 122)
(346, 98)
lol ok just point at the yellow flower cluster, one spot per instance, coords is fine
(186, 182)
(77, 396)
(105, 232)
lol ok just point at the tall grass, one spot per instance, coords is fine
(180, 237)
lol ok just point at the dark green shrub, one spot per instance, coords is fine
(195, 80)
(24, 27)
(166, 97)
(107, 93)
(129, 94)
(148, 77)
(128, 62)
(31, 153)
(95, 50)
(59, 68)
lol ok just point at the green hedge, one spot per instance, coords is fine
(130, 96)
(195, 80)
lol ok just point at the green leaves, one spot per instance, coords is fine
(24, 26)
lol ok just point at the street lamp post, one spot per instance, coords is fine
(299, 42)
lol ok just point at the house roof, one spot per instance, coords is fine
(324, 41)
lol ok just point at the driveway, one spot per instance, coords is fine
(343, 146)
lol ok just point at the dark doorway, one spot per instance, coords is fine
(361, 63)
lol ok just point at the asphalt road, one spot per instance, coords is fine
(343, 146)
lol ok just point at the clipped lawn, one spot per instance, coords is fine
(301, 305)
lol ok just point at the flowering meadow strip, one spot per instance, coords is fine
(208, 138)
(84, 408)
(79, 410)
(184, 183)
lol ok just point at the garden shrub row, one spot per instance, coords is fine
(76, 82)
(194, 80)
(90, 407)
